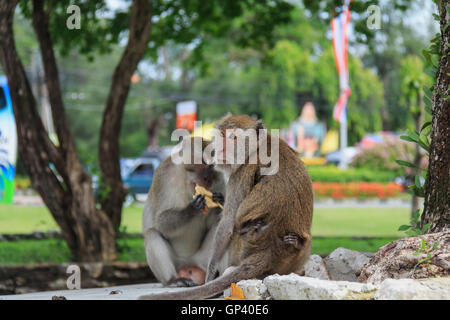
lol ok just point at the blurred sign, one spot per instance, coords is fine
(186, 115)
(8, 144)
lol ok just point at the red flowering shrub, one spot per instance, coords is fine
(356, 189)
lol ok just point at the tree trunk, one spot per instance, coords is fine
(152, 127)
(67, 191)
(437, 187)
(418, 121)
(139, 34)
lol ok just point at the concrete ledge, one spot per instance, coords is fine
(130, 292)
(275, 287)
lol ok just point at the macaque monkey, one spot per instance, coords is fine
(266, 223)
(178, 234)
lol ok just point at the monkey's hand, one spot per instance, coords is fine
(199, 202)
(218, 197)
(182, 282)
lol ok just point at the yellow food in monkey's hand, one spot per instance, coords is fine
(208, 197)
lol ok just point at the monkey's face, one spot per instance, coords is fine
(236, 147)
(237, 142)
(225, 146)
(202, 174)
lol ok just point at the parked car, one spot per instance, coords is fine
(137, 176)
(341, 158)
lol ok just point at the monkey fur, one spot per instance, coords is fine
(177, 233)
(266, 221)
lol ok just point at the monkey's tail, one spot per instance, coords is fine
(210, 289)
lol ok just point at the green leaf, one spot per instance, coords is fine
(416, 215)
(417, 181)
(425, 125)
(427, 101)
(413, 135)
(446, 26)
(427, 92)
(419, 192)
(404, 227)
(405, 163)
(426, 227)
(427, 56)
(424, 144)
(435, 245)
(423, 243)
(406, 138)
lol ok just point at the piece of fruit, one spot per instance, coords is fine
(208, 197)
(236, 293)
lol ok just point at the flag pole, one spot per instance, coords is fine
(343, 138)
(339, 27)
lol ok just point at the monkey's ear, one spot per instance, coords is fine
(259, 124)
(223, 118)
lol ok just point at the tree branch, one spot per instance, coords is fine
(41, 27)
(139, 34)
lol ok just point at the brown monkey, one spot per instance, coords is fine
(266, 221)
(178, 236)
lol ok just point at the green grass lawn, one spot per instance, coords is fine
(327, 222)
(56, 251)
(332, 228)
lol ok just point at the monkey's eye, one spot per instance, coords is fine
(231, 135)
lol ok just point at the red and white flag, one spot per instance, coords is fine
(339, 31)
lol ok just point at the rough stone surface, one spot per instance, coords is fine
(253, 289)
(345, 264)
(397, 259)
(295, 287)
(409, 289)
(316, 268)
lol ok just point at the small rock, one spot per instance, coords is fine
(59, 298)
(295, 287)
(345, 264)
(410, 289)
(38, 235)
(115, 292)
(316, 268)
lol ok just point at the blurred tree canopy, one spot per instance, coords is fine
(138, 28)
(268, 76)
